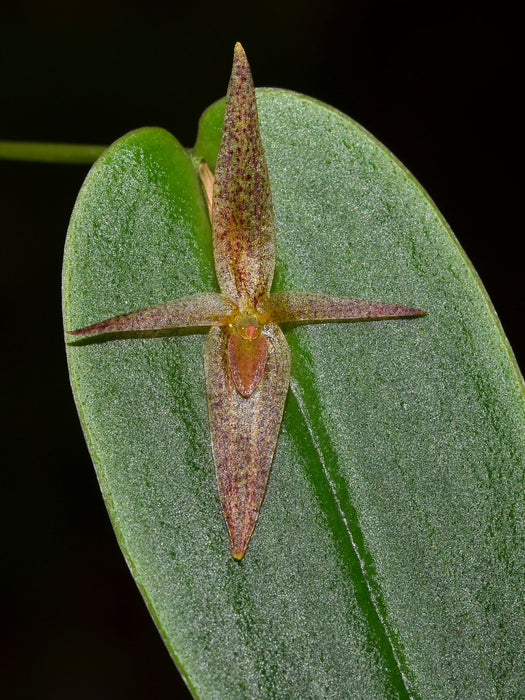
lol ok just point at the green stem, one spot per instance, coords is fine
(50, 152)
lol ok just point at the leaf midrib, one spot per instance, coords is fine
(315, 446)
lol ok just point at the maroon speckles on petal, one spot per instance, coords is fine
(194, 311)
(242, 219)
(244, 431)
(300, 306)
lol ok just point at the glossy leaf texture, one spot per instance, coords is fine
(388, 556)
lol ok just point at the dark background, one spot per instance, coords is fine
(436, 84)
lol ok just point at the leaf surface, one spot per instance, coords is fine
(388, 556)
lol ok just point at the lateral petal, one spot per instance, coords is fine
(301, 306)
(242, 219)
(244, 431)
(197, 310)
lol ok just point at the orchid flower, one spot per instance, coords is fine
(246, 358)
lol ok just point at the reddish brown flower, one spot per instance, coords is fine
(247, 359)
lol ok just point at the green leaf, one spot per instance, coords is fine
(388, 558)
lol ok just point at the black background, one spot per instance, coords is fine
(437, 84)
